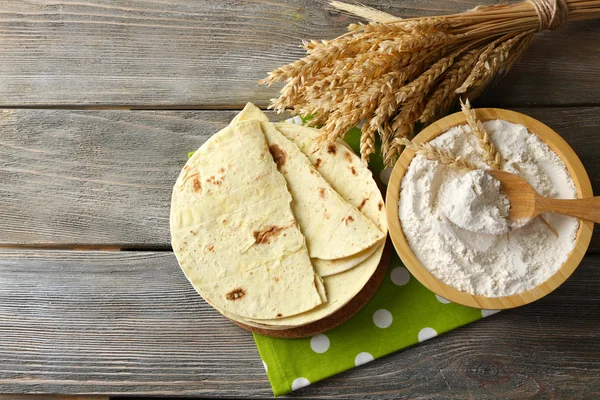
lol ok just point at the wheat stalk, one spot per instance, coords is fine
(363, 11)
(394, 72)
(434, 153)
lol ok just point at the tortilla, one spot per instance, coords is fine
(331, 267)
(250, 113)
(349, 177)
(333, 228)
(234, 233)
(341, 288)
(343, 169)
(352, 179)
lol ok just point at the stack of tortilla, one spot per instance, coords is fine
(273, 230)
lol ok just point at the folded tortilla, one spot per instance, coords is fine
(341, 288)
(343, 169)
(334, 229)
(331, 267)
(234, 233)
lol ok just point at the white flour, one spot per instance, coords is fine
(475, 202)
(485, 264)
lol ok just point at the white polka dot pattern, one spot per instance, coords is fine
(400, 276)
(442, 300)
(382, 318)
(426, 333)
(363, 358)
(299, 383)
(487, 313)
(319, 343)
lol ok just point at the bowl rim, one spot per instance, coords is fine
(557, 144)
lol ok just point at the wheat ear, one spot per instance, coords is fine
(434, 153)
(491, 155)
(365, 12)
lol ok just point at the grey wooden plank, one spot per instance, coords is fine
(128, 323)
(104, 178)
(211, 53)
(94, 177)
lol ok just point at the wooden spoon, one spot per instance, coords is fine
(526, 203)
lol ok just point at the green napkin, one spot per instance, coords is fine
(401, 313)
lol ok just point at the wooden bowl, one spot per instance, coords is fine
(557, 144)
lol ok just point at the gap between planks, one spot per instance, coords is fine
(85, 247)
(236, 107)
(50, 397)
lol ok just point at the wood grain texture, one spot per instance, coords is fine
(125, 323)
(190, 53)
(104, 178)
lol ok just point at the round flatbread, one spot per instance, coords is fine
(238, 228)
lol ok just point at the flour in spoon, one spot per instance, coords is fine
(487, 264)
(475, 202)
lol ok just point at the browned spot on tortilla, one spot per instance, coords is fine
(348, 156)
(267, 234)
(380, 205)
(192, 232)
(327, 215)
(318, 163)
(362, 203)
(312, 171)
(279, 315)
(221, 170)
(235, 294)
(215, 181)
(196, 185)
(322, 193)
(211, 248)
(276, 279)
(278, 154)
(331, 149)
(353, 170)
(348, 219)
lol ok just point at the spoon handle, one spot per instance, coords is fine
(588, 209)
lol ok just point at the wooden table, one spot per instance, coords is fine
(100, 103)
